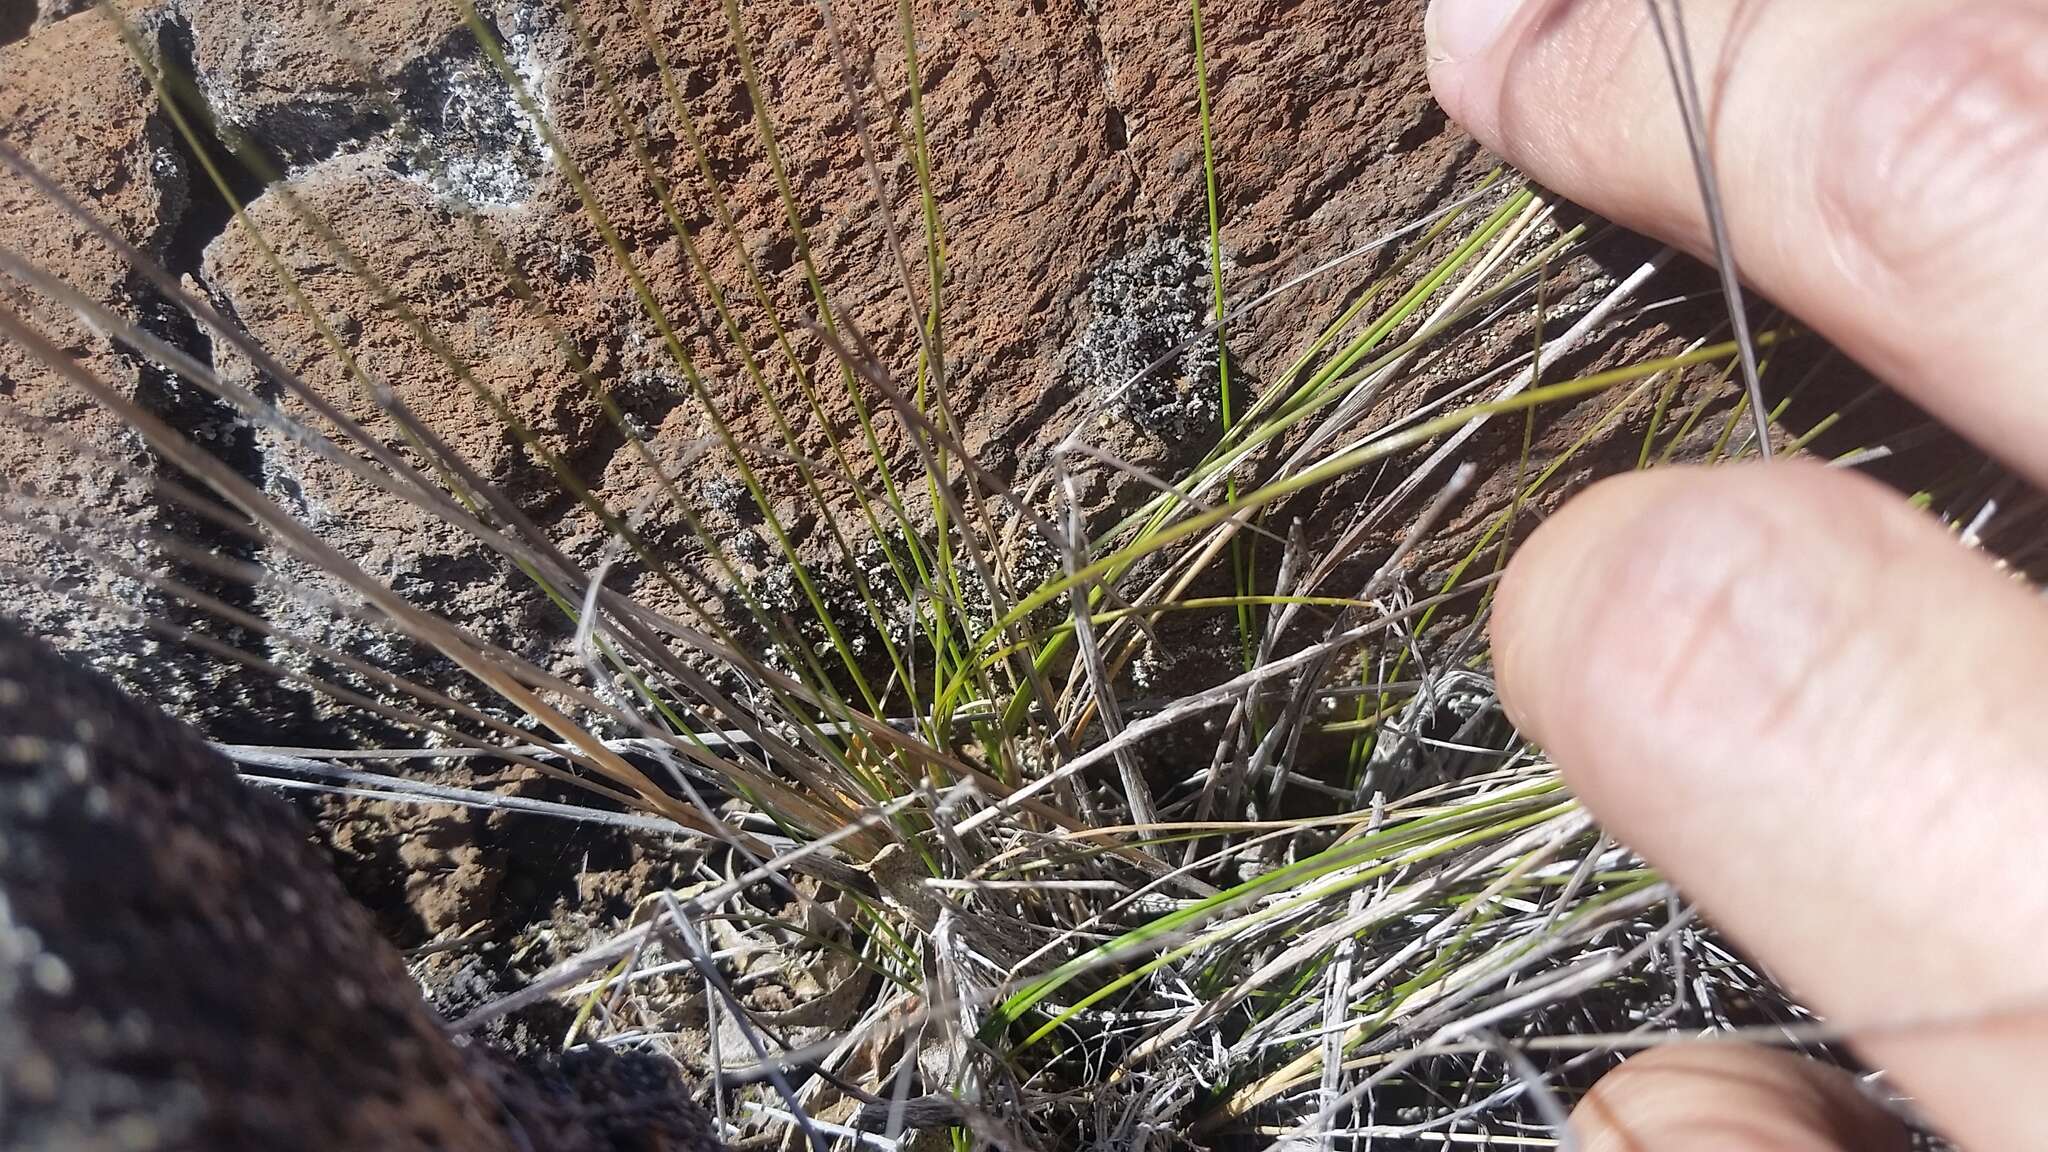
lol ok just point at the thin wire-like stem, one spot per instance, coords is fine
(1677, 45)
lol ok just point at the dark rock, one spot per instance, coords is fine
(178, 969)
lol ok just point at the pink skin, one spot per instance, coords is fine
(1796, 695)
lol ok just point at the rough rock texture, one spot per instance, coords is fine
(18, 16)
(73, 103)
(1066, 159)
(1067, 167)
(179, 971)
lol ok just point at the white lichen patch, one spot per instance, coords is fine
(489, 153)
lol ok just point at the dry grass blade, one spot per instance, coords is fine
(1671, 35)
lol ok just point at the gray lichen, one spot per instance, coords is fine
(886, 612)
(489, 152)
(1143, 304)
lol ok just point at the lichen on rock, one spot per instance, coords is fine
(489, 152)
(1145, 304)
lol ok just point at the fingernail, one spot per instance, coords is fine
(1461, 29)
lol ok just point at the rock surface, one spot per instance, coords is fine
(73, 103)
(1067, 166)
(179, 971)
(1067, 170)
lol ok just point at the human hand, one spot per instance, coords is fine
(1800, 698)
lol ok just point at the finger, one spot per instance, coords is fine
(1731, 1098)
(1880, 163)
(1821, 716)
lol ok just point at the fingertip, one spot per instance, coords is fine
(1680, 607)
(1468, 29)
(1462, 38)
(1803, 702)
(1540, 622)
(1702, 1097)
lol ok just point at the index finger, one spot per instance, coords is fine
(1881, 165)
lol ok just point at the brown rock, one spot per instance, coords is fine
(287, 75)
(1066, 153)
(74, 105)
